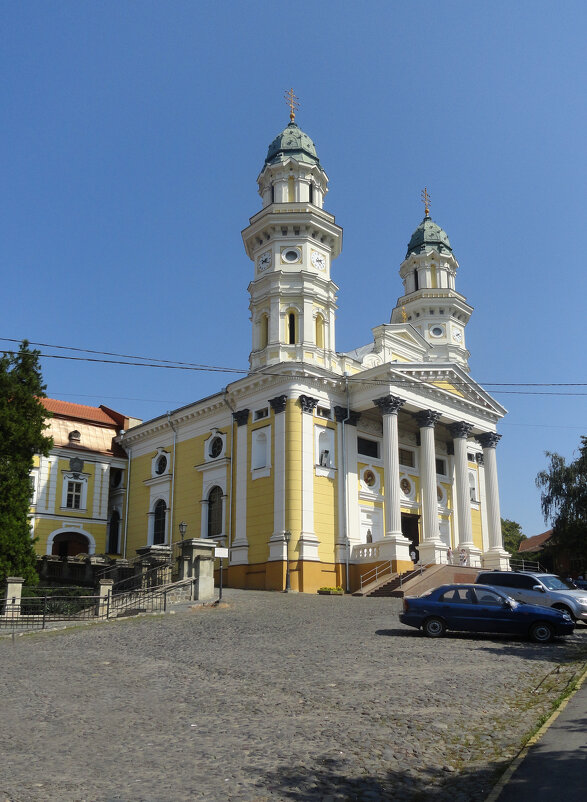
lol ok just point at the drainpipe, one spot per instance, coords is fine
(172, 489)
(229, 539)
(344, 482)
(127, 501)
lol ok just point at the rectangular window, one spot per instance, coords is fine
(441, 466)
(74, 495)
(407, 458)
(368, 448)
(261, 413)
(323, 412)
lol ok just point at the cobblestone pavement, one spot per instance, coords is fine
(269, 697)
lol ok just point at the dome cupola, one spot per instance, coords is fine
(429, 235)
(292, 142)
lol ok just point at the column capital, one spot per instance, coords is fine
(489, 439)
(278, 403)
(241, 417)
(389, 404)
(460, 429)
(427, 418)
(308, 403)
(340, 416)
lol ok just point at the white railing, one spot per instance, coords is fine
(374, 574)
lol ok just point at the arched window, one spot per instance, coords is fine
(473, 487)
(159, 514)
(319, 331)
(291, 192)
(113, 532)
(264, 331)
(291, 328)
(215, 512)
(259, 450)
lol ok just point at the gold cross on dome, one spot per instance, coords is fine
(293, 103)
(426, 201)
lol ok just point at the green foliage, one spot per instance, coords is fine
(22, 434)
(564, 501)
(512, 535)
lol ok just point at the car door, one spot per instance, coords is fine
(523, 590)
(495, 615)
(457, 607)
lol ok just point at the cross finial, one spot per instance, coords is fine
(404, 315)
(426, 201)
(293, 103)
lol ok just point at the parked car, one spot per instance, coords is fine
(580, 583)
(478, 608)
(545, 590)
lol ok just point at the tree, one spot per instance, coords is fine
(564, 501)
(512, 535)
(22, 434)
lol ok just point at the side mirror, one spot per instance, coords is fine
(507, 603)
(539, 587)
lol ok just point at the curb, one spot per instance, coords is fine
(512, 768)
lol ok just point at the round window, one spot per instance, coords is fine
(437, 331)
(291, 255)
(216, 447)
(161, 465)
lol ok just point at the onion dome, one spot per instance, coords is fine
(292, 142)
(429, 235)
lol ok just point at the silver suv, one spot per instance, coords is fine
(545, 590)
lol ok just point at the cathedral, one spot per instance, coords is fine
(320, 465)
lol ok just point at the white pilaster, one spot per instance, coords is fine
(277, 544)
(308, 543)
(240, 547)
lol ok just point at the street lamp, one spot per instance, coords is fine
(183, 527)
(287, 538)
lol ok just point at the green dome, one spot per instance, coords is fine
(428, 234)
(292, 142)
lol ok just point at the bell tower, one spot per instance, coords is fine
(430, 301)
(292, 242)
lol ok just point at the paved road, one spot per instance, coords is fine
(556, 766)
(271, 697)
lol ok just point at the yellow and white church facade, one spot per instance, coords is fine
(327, 462)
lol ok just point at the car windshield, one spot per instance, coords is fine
(556, 583)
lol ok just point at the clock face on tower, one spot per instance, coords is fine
(318, 260)
(264, 261)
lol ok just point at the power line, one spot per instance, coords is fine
(194, 366)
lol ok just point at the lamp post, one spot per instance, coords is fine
(183, 527)
(287, 538)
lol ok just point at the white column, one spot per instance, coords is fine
(390, 406)
(348, 500)
(468, 553)
(432, 549)
(496, 556)
(308, 543)
(240, 547)
(277, 544)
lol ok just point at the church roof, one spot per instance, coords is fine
(429, 234)
(292, 141)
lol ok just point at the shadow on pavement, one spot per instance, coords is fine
(328, 782)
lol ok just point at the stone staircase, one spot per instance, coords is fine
(416, 582)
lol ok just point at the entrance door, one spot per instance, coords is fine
(411, 530)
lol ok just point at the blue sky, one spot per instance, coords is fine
(133, 133)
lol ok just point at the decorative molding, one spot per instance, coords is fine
(389, 404)
(427, 418)
(278, 403)
(489, 439)
(241, 417)
(340, 416)
(460, 429)
(308, 403)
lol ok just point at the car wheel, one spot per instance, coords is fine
(564, 609)
(541, 632)
(434, 627)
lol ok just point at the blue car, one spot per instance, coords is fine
(480, 608)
